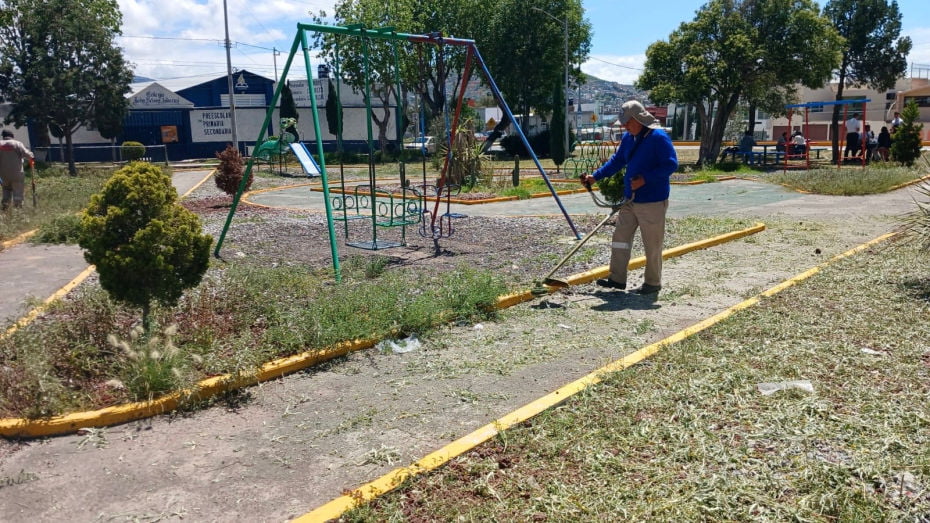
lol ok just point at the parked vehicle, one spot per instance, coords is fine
(422, 142)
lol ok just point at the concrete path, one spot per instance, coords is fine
(729, 198)
(38, 271)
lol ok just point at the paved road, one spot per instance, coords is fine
(41, 270)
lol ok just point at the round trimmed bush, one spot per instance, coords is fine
(132, 151)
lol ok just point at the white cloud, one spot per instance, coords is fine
(920, 54)
(622, 69)
(185, 37)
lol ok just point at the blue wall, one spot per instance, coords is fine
(208, 94)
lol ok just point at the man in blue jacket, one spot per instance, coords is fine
(649, 157)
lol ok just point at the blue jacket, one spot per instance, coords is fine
(655, 160)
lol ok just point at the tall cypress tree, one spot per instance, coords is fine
(289, 110)
(557, 126)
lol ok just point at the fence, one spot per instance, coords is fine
(98, 153)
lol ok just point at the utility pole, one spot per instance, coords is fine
(229, 80)
(274, 56)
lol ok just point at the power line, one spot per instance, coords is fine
(172, 38)
(616, 65)
(219, 41)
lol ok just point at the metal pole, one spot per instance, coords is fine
(229, 80)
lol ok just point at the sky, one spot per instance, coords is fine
(167, 39)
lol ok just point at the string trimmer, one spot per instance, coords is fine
(549, 283)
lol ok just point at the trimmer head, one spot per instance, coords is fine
(539, 289)
(557, 283)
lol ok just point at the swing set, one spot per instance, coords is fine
(426, 204)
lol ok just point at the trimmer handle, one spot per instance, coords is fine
(585, 181)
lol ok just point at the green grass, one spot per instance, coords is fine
(686, 435)
(848, 180)
(86, 352)
(527, 188)
(57, 195)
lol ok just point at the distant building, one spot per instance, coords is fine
(877, 112)
(190, 117)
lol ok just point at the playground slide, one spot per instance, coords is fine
(309, 165)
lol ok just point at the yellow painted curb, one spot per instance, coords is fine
(396, 477)
(19, 239)
(20, 427)
(28, 428)
(195, 187)
(36, 311)
(636, 263)
(700, 182)
(908, 184)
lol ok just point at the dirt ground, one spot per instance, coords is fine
(278, 450)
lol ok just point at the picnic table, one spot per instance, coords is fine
(767, 154)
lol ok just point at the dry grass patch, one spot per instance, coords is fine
(688, 436)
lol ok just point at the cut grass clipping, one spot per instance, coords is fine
(688, 436)
(86, 353)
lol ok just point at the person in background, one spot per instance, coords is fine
(896, 122)
(798, 143)
(647, 153)
(782, 143)
(12, 154)
(853, 144)
(869, 142)
(746, 143)
(884, 144)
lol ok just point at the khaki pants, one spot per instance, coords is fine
(13, 188)
(650, 219)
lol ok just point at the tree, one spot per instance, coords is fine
(229, 173)
(907, 143)
(56, 69)
(522, 67)
(145, 246)
(557, 126)
(756, 50)
(873, 53)
(368, 65)
(110, 110)
(525, 68)
(289, 111)
(334, 113)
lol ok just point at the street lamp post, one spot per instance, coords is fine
(565, 101)
(229, 80)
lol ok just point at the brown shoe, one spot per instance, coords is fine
(648, 289)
